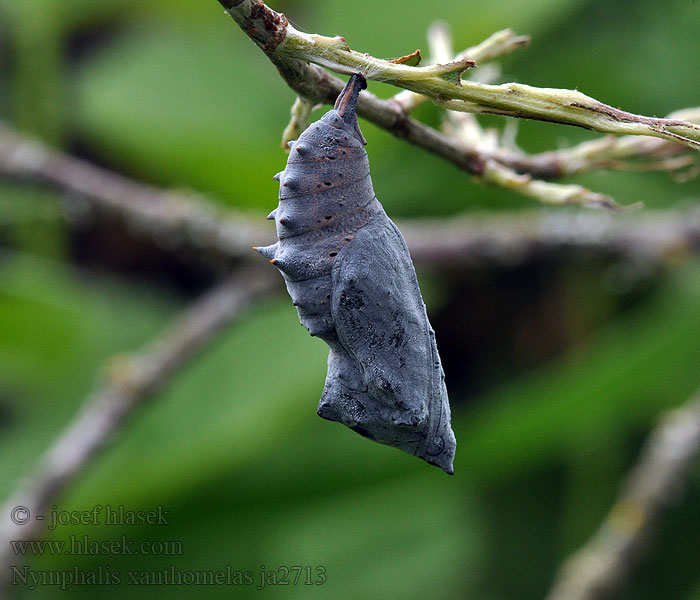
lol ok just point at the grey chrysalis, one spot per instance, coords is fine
(349, 273)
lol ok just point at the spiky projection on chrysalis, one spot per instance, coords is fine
(349, 273)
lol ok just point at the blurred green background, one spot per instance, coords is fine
(557, 368)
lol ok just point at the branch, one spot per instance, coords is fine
(506, 239)
(465, 127)
(476, 239)
(169, 217)
(271, 31)
(498, 44)
(442, 83)
(131, 382)
(598, 570)
(625, 153)
(317, 85)
(609, 152)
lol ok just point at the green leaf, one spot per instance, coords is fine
(168, 104)
(57, 326)
(638, 365)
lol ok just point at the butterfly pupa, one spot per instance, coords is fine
(351, 278)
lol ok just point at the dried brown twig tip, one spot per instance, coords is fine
(412, 60)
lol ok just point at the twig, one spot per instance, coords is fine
(301, 109)
(169, 217)
(465, 127)
(131, 382)
(477, 240)
(547, 192)
(271, 31)
(599, 569)
(496, 45)
(470, 240)
(609, 152)
(442, 83)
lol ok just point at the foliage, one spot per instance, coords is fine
(173, 93)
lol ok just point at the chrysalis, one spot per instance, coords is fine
(349, 273)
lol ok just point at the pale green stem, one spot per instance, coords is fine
(301, 110)
(443, 84)
(548, 193)
(498, 44)
(465, 127)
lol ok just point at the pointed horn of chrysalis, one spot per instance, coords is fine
(267, 251)
(281, 263)
(346, 104)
